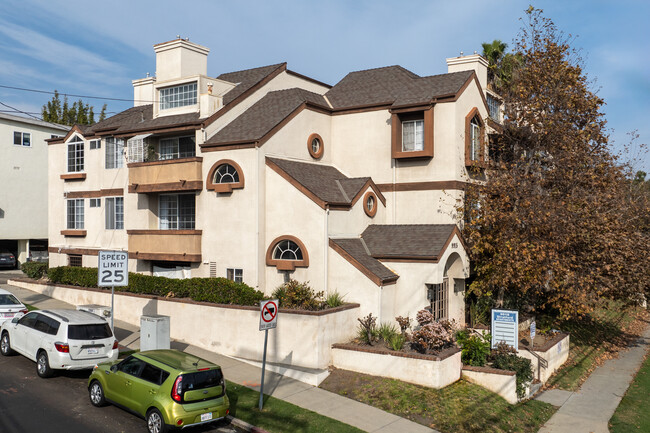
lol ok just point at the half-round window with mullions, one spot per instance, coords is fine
(224, 176)
(287, 253)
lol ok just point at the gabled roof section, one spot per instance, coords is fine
(248, 79)
(137, 119)
(35, 122)
(256, 123)
(394, 86)
(413, 241)
(324, 184)
(354, 251)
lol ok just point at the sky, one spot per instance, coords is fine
(92, 48)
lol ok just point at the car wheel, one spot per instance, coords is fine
(5, 346)
(43, 365)
(155, 422)
(96, 393)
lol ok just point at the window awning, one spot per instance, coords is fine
(139, 137)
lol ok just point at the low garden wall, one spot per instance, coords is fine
(302, 339)
(502, 382)
(555, 352)
(425, 370)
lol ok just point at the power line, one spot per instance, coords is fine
(73, 95)
(20, 111)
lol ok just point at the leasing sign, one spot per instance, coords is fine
(505, 327)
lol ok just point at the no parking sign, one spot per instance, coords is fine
(268, 314)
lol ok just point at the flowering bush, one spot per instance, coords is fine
(432, 335)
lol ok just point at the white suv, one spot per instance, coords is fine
(59, 339)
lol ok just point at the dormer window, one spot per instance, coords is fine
(178, 96)
(412, 132)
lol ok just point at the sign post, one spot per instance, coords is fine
(113, 270)
(268, 320)
(533, 329)
(505, 327)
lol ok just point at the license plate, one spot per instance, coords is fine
(93, 351)
(206, 416)
(6, 314)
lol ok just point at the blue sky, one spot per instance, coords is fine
(97, 48)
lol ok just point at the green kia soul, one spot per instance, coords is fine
(167, 388)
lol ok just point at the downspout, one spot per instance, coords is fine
(325, 252)
(395, 192)
(381, 290)
(257, 221)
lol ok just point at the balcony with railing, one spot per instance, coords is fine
(182, 174)
(168, 245)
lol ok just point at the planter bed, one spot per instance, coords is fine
(434, 371)
(302, 339)
(502, 382)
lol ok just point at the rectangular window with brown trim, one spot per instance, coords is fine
(412, 133)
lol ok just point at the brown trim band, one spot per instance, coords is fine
(73, 176)
(93, 194)
(194, 258)
(365, 271)
(74, 233)
(423, 186)
(165, 162)
(219, 147)
(163, 232)
(181, 185)
(306, 78)
(82, 251)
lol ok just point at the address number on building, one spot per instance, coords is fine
(113, 269)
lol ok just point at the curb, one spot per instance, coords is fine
(244, 425)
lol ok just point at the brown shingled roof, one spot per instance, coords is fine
(393, 85)
(253, 124)
(323, 182)
(358, 255)
(408, 241)
(140, 118)
(246, 79)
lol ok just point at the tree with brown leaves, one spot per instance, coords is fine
(559, 222)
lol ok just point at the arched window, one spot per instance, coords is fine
(315, 146)
(286, 253)
(474, 138)
(224, 176)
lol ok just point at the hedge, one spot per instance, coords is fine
(216, 290)
(34, 270)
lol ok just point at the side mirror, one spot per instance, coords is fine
(114, 368)
(16, 318)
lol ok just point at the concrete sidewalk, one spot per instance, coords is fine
(332, 405)
(589, 409)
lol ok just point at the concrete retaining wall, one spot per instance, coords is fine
(422, 370)
(502, 382)
(555, 355)
(301, 339)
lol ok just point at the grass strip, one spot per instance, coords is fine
(602, 331)
(632, 415)
(461, 407)
(279, 416)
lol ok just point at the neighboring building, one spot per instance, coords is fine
(264, 174)
(23, 183)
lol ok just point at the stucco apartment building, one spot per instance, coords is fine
(264, 174)
(23, 183)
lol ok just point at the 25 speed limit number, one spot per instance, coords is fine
(113, 269)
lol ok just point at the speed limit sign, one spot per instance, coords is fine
(113, 269)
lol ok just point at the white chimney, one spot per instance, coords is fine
(473, 62)
(180, 58)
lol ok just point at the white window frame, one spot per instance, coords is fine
(95, 144)
(475, 139)
(95, 202)
(114, 153)
(235, 274)
(75, 214)
(494, 107)
(76, 155)
(285, 247)
(114, 213)
(182, 95)
(171, 215)
(413, 141)
(170, 148)
(25, 139)
(226, 173)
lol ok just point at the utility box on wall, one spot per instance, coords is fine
(154, 332)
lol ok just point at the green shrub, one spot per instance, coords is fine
(386, 331)
(34, 269)
(505, 357)
(475, 347)
(215, 290)
(367, 331)
(396, 342)
(334, 299)
(300, 296)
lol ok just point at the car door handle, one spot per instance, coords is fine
(127, 383)
(152, 391)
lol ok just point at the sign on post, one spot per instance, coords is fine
(268, 320)
(113, 270)
(505, 327)
(268, 314)
(533, 330)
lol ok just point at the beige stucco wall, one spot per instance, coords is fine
(423, 207)
(502, 384)
(291, 140)
(352, 222)
(24, 176)
(425, 372)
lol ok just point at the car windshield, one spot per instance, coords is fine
(7, 299)
(202, 379)
(89, 332)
